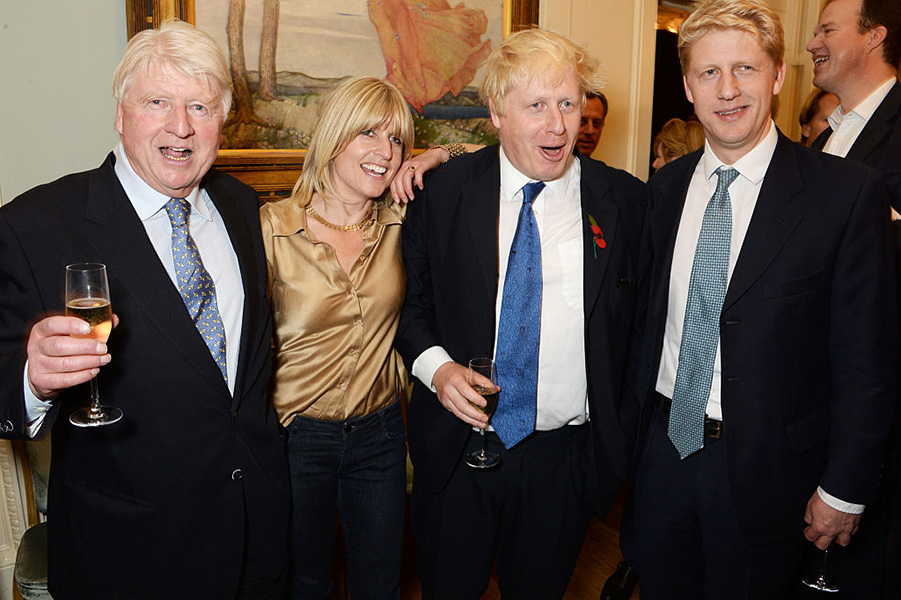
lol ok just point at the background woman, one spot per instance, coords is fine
(337, 285)
(676, 138)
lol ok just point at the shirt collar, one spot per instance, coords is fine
(146, 200)
(865, 108)
(751, 166)
(512, 180)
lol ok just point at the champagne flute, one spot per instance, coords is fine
(480, 459)
(820, 581)
(87, 297)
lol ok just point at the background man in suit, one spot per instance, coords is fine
(594, 115)
(766, 370)
(186, 496)
(470, 250)
(856, 49)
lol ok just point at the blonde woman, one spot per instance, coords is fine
(336, 287)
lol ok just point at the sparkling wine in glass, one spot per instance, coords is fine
(87, 297)
(482, 459)
(820, 580)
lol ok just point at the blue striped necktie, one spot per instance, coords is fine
(701, 327)
(519, 328)
(195, 283)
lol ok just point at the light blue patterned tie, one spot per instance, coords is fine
(701, 328)
(195, 283)
(519, 328)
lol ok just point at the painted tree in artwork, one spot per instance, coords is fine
(268, 88)
(234, 29)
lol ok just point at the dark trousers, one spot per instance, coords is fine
(534, 507)
(358, 466)
(689, 543)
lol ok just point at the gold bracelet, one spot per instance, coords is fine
(453, 150)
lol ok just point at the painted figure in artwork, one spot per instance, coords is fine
(430, 48)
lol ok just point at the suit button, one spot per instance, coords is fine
(237, 475)
(6, 426)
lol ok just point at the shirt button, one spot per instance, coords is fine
(355, 352)
(343, 385)
(237, 475)
(358, 322)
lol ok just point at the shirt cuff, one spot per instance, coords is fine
(35, 409)
(428, 362)
(840, 505)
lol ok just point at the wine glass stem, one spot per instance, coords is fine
(482, 451)
(96, 412)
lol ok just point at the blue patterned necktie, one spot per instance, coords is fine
(195, 283)
(519, 328)
(701, 327)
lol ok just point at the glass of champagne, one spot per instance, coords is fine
(480, 459)
(87, 297)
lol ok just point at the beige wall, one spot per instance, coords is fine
(56, 110)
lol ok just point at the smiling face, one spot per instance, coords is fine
(731, 81)
(837, 47)
(540, 126)
(591, 125)
(170, 128)
(364, 169)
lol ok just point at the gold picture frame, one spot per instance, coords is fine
(273, 173)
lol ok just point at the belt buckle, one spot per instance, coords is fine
(713, 429)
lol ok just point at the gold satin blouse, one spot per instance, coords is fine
(334, 331)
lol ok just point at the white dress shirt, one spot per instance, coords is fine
(562, 377)
(743, 192)
(216, 252)
(846, 126)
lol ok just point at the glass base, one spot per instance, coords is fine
(95, 416)
(482, 460)
(820, 584)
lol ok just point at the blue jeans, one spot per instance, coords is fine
(358, 465)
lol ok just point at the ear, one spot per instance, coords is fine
(805, 130)
(687, 90)
(780, 78)
(876, 37)
(495, 118)
(119, 118)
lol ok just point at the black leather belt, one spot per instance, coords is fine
(713, 429)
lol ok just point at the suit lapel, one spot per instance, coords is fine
(240, 236)
(878, 128)
(595, 205)
(111, 224)
(480, 203)
(772, 222)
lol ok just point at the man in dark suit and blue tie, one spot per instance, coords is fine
(766, 369)
(525, 252)
(187, 495)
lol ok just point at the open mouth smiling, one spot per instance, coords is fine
(179, 154)
(374, 169)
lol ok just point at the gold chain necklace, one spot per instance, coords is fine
(369, 220)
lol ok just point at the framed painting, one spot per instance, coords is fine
(286, 55)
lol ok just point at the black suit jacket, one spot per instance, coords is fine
(879, 143)
(807, 334)
(159, 504)
(451, 258)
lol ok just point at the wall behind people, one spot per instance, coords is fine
(56, 66)
(57, 108)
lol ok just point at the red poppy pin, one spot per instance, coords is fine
(599, 241)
